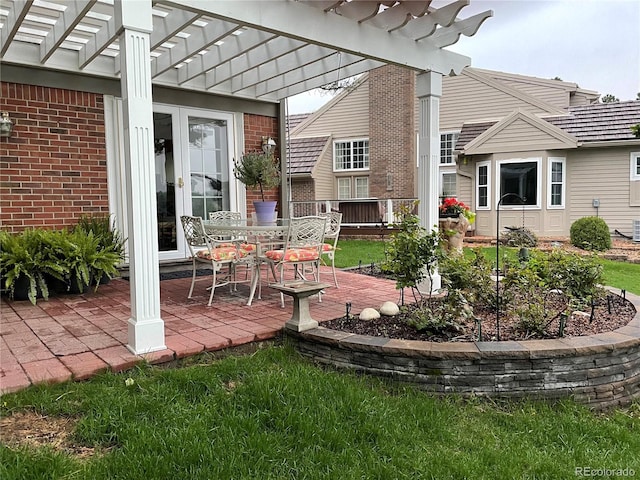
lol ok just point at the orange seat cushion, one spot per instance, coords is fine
(219, 254)
(293, 255)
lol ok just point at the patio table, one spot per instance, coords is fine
(247, 228)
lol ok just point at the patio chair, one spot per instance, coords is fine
(332, 232)
(214, 253)
(302, 247)
(231, 216)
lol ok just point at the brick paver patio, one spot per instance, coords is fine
(73, 337)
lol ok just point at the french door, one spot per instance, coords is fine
(194, 151)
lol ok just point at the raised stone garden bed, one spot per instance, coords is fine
(601, 370)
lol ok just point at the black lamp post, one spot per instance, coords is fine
(522, 200)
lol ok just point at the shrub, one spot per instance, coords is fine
(412, 252)
(471, 274)
(590, 233)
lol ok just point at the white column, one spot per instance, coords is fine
(146, 328)
(429, 91)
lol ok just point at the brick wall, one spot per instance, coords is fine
(53, 168)
(255, 127)
(392, 132)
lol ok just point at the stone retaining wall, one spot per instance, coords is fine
(599, 370)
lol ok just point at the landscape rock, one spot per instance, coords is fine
(369, 314)
(389, 308)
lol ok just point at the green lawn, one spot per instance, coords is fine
(273, 415)
(616, 274)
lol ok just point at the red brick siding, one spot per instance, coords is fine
(53, 168)
(392, 131)
(256, 127)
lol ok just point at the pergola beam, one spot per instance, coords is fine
(330, 30)
(67, 21)
(17, 12)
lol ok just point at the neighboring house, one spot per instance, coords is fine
(547, 140)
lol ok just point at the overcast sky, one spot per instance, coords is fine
(594, 43)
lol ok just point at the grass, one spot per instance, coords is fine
(273, 415)
(621, 275)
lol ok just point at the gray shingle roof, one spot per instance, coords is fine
(304, 153)
(600, 121)
(296, 119)
(588, 123)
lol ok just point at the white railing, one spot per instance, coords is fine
(356, 212)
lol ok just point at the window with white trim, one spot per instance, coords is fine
(483, 187)
(447, 146)
(521, 177)
(344, 188)
(556, 175)
(448, 184)
(635, 166)
(353, 187)
(351, 155)
(362, 187)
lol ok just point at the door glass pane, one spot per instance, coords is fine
(209, 165)
(165, 178)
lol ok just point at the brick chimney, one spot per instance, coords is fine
(392, 132)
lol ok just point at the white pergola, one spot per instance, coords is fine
(264, 50)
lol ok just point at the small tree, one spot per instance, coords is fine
(412, 252)
(257, 169)
(609, 98)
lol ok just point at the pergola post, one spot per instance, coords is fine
(429, 91)
(145, 327)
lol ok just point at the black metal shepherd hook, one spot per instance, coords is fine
(522, 200)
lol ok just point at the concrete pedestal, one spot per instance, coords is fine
(300, 291)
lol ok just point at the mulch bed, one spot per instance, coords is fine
(609, 313)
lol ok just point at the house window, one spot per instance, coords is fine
(520, 178)
(448, 184)
(351, 155)
(344, 188)
(482, 186)
(362, 187)
(447, 146)
(635, 166)
(556, 184)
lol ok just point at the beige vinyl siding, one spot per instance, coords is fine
(466, 100)
(323, 176)
(348, 118)
(579, 99)
(519, 136)
(557, 97)
(602, 174)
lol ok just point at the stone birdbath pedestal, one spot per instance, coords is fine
(300, 290)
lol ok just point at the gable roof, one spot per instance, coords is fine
(509, 135)
(304, 154)
(589, 123)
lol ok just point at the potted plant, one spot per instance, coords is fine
(455, 218)
(26, 262)
(452, 208)
(87, 261)
(256, 169)
(109, 240)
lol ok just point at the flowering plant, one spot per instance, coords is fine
(451, 205)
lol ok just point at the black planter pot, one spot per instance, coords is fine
(449, 215)
(76, 288)
(21, 289)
